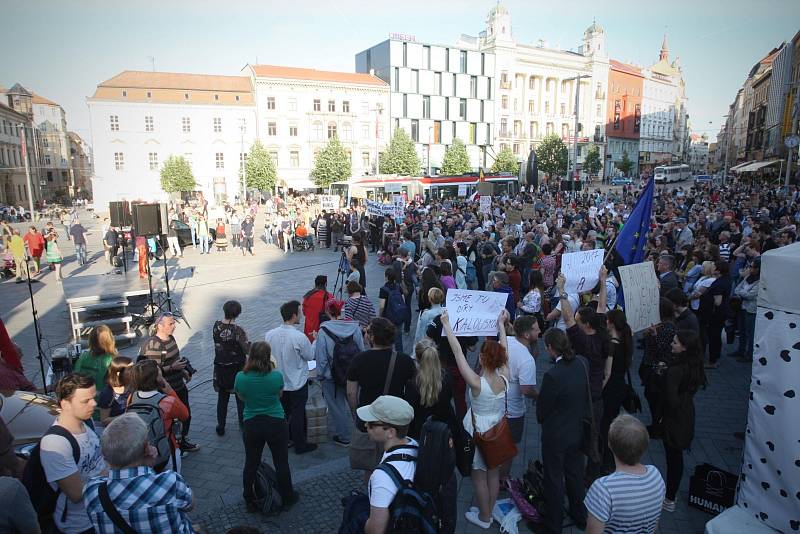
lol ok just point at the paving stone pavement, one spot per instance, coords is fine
(261, 283)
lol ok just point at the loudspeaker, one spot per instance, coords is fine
(146, 219)
(571, 185)
(120, 213)
(163, 210)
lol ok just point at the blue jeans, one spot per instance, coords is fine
(398, 337)
(204, 248)
(336, 399)
(194, 238)
(80, 252)
(746, 334)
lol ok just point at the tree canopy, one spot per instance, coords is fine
(401, 156)
(552, 155)
(506, 161)
(456, 159)
(260, 170)
(176, 175)
(331, 164)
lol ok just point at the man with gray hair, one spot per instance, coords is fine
(133, 496)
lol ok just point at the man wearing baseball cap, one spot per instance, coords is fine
(387, 420)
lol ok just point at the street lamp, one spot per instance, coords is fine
(430, 140)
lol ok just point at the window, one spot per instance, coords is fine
(488, 88)
(437, 131)
(503, 128)
(186, 124)
(124, 94)
(365, 160)
(271, 103)
(317, 105)
(186, 96)
(447, 108)
(426, 57)
(597, 111)
(292, 104)
(415, 130)
(563, 109)
(273, 155)
(114, 120)
(517, 128)
(516, 105)
(426, 107)
(504, 102)
(482, 106)
(152, 158)
(534, 130)
(405, 105)
(294, 158)
(47, 159)
(346, 106)
(504, 79)
(473, 87)
(272, 129)
(49, 176)
(148, 123)
(364, 130)
(292, 131)
(237, 98)
(220, 159)
(446, 59)
(463, 61)
(347, 132)
(473, 133)
(531, 83)
(188, 157)
(405, 54)
(483, 64)
(364, 107)
(332, 106)
(149, 94)
(119, 161)
(217, 125)
(547, 108)
(331, 130)
(318, 131)
(515, 149)
(396, 79)
(437, 83)
(415, 80)
(462, 108)
(242, 160)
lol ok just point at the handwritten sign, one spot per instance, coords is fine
(399, 207)
(592, 212)
(640, 285)
(329, 202)
(486, 204)
(528, 211)
(474, 313)
(462, 190)
(378, 209)
(514, 216)
(582, 270)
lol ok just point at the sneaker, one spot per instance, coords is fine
(308, 448)
(188, 446)
(473, 517)
(220, 430)
(341, 441)
(668, 506)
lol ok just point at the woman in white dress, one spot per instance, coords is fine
(487, 393)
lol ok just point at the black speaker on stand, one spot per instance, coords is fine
(120, 213)
(147, 219)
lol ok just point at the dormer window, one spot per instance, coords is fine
(124, 94)
(149, 94)
(216, 97)
(186, 96)
(237, 98)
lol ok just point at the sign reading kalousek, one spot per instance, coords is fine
(474, 313)
(640, 285)
(581, 270)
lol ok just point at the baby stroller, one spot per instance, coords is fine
(302, 244)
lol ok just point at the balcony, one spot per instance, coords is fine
(505, 85)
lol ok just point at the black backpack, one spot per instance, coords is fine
(412, 511)
(396, 306)
(42, 494)
(265, 490)
(344, 352)
(149, 410)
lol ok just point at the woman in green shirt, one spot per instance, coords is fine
(260, 386)
(95, 361)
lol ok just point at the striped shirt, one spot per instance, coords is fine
(359, 309)
(626, 502)
(164, 353)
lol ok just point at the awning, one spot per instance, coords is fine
(740, 166)
(758, 165)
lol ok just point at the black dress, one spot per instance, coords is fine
(613, 395)
(442, 410)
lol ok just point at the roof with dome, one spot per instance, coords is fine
(594, 28)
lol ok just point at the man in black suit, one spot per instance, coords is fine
(666, 277)
(563, 401)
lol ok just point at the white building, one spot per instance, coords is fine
(438, 93)
(14, 189)
(698, 154)
(50, 122)
(139, 119)
(299, 110)
(534, 95)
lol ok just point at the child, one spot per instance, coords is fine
(114, 398)
(222, 240)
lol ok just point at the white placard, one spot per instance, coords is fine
(399, 207)
(378, 209)
(462, 190)
(486, 204)
(592, 212)
(474, 313)
(640, 287)
(582, 270)
(392, 188)
(329, 202)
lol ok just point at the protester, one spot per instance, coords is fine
(684, 318)
(36, 244)
(142, 499)
(656, 359)
(429, 280)
(614, 375)
(358, 306)
(747, 290)
(292, 352)
(113, 399)
(20, 255)
(95, 361)
(247, 235)
(431, 391)
(392, 305)
(53, 255)
(436, 299)
(716, 311)
(314, 306)
(230, 350)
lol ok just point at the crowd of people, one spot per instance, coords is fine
(381, 382)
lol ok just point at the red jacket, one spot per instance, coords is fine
(313, 306)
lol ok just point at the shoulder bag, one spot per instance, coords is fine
(496, 444)
(590, 438)
(630, 400)
(111, 510)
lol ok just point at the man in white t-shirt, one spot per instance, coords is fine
(556, 315)
(521, 377)
(75, 394)
(387, 420)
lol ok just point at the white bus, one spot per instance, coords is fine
(671, 173)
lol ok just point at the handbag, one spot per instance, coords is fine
(590, 439)
(630, 400)
(464, 447)
(496, 444)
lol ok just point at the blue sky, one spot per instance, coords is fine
(63, 49)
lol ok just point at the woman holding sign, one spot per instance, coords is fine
(487, 394)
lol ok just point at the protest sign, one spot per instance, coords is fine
(399, 208)
(528, 211)
(592, 212)
(329, 202)
(462, 190)
(640, 285)
(581, 269)
(514, 216)
(474, 313)
(378, 209)
(486, 204)
(485, 188)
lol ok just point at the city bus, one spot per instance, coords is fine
(671, 173)
(426, 187)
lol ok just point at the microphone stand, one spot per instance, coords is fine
(36, 330)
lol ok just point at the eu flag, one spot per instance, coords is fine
(633, 236)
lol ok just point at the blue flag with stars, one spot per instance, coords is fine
(633, 236)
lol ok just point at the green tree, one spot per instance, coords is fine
(260, 170)
(506, 161)
(332, 164)
(591, 163)
(456, 159)
(176, 175)
(552, 155)
(401, 156)
(625, 165)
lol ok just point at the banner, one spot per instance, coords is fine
(379, 210)
(513, 216)
(474, 313)
(528, 211)
(486, 204)
(640, 285)
(399, 207)
(582, 270)
(329, 202)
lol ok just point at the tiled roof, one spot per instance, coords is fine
(295, 73)
(172, 80)
(39, 99)
(622, 67)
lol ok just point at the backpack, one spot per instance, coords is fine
(152, 415)
(436, 471)
(471, 275)
(356, 513)
(344, 352)
(265, 490)
(396, 307)
(412, 511)
(42, 494)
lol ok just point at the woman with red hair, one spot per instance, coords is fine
(487, 394)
